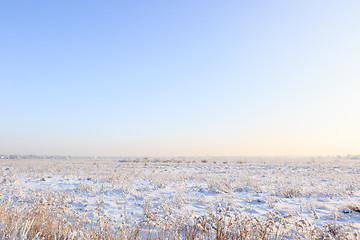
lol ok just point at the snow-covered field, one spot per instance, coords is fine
(193, 197)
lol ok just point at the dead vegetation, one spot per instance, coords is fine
(84, 200)
(51, 220)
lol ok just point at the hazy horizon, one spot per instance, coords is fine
(204, 78)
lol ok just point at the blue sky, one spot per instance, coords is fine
(169, 78)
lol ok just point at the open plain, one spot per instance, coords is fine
(180, 198)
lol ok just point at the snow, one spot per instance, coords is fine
(319, 190)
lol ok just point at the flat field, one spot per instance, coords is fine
(180, 198)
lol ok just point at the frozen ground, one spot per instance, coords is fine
(318, 190)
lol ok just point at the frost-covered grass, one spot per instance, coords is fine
(210, 198)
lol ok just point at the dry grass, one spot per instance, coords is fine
(51, 220)
(70, 200)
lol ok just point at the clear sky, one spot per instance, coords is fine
(170, 78)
